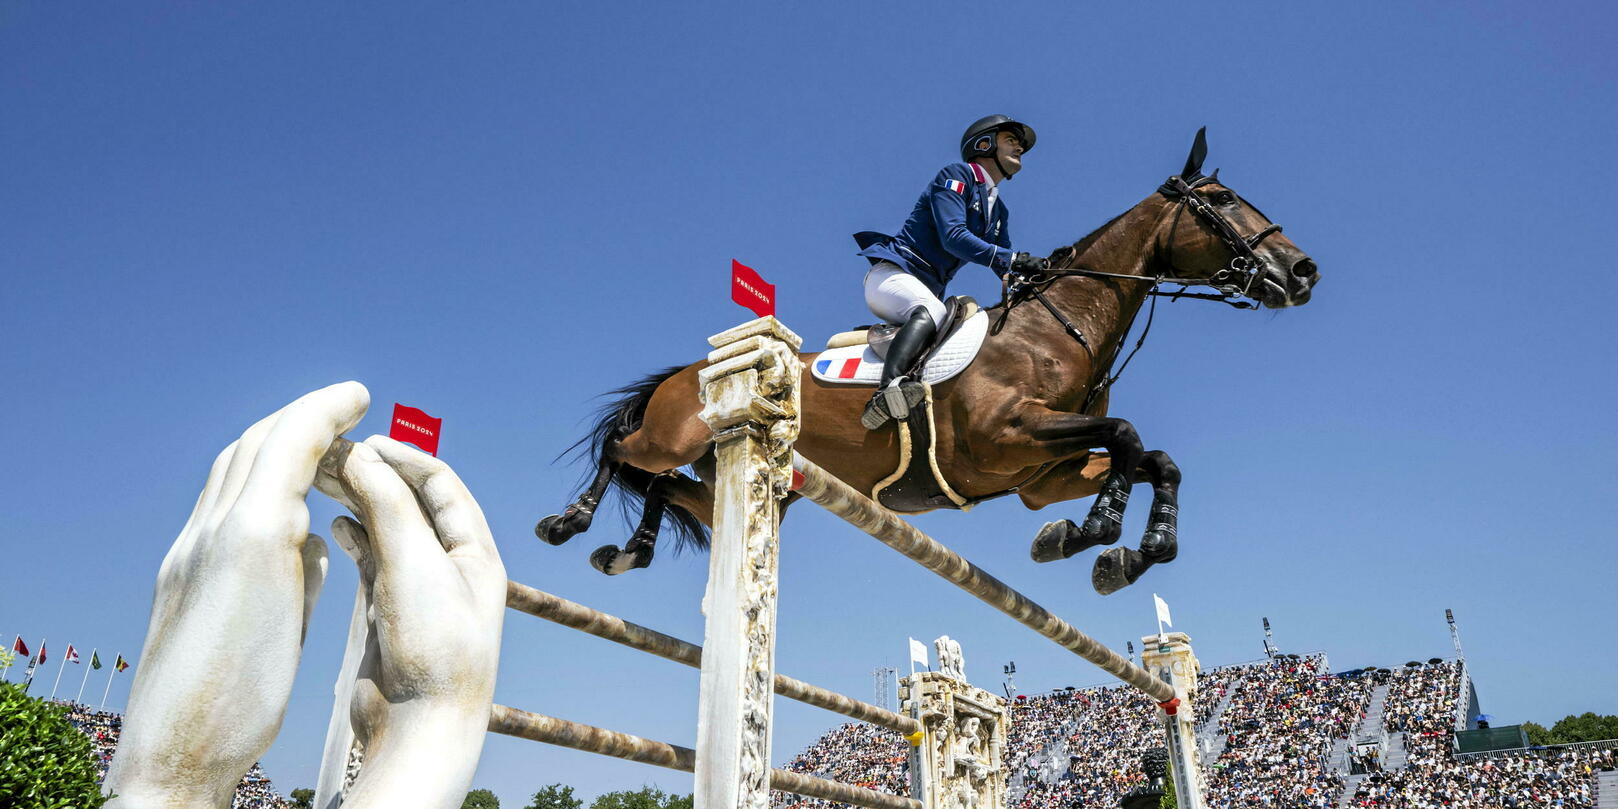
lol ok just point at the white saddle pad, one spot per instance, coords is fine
(859, 365)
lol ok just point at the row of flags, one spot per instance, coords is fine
(36, 659)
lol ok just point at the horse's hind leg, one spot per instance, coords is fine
(670, 489)
(575, 519)
(1118, 568)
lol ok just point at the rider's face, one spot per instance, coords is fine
(1010, 152)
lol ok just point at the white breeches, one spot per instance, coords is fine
(892, 294)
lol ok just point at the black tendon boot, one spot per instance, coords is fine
(897, 394)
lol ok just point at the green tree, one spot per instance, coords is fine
(1586, 727)
(44, 760)
(647, 797)
(480, 799)
(303, 798)
(1537, 734)
(555, 796)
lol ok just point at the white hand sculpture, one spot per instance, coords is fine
(433, 594)
(232, 603)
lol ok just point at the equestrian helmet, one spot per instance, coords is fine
(978, 140)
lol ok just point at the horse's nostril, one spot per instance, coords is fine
(1305, 268)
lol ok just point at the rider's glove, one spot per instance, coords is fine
(1025, 265)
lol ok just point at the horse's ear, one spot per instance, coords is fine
(1199, 151)
(1214, 176)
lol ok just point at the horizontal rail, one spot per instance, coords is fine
(559, 610)
(550, 730)
(841, 499)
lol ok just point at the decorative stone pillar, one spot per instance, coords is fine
(960, 762)
(1169, 658)
(750, 400)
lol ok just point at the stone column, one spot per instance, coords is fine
(750, 400)
(960, 764)
(1169, 658)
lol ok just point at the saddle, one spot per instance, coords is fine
(856, 357)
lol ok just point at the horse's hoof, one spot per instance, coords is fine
(1116, 569)
(1052, 538)
(612, 560)
(559, 528)
(551, 530)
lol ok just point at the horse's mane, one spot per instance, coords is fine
(1093, 235)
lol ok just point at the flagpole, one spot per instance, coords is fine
(32, 664)
(80, 698)
(108, 689)
(60, 667)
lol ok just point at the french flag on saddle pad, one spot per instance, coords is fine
(956, 185)
(839, 368)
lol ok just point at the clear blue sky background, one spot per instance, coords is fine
(495, 212)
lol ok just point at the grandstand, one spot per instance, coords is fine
(1282, 732)
(103, 728)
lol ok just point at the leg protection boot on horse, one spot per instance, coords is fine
(1120, 567)
(898, 393)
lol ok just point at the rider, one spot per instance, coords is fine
(958, 219)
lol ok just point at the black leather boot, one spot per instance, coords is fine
(897, 394)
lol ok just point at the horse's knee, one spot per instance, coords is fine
(1123, 438)
(1161, 467)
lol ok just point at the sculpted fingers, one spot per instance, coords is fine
(462, 528)
(393, 520)
(351, 537)
(285, 464)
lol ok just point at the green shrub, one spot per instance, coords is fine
(45, 763)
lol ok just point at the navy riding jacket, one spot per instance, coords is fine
(947, 228)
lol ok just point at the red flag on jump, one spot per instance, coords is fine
(19, 647)
(749, 289)
(416, 427)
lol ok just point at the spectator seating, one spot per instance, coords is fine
(103, 727)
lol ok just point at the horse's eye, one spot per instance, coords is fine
(1227, 198)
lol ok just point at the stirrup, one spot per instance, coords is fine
(892, 402)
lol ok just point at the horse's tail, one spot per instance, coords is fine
(619, 417)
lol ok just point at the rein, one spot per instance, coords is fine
(1231, 284)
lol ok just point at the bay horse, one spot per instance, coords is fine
(1028, 416)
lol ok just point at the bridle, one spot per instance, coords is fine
(1235, 281)
(1231, 284)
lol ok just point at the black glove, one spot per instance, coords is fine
(1023, 264)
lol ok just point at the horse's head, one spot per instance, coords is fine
(1209, 232)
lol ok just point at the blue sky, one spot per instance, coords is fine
(495, 212)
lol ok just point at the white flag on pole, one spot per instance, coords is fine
(918, 653)
(1162, 610)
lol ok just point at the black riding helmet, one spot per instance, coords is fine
(979, 141)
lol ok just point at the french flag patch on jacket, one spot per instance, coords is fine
(956, 185)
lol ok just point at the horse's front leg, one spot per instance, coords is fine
(1118, 568)
(1071, 437)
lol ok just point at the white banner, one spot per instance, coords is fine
(918, 653)
(1162, 610)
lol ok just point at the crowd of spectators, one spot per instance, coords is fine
(1281, 727)
(855, 753)
(1421, 699)
(103, 727)
(1286, 725)
(1433, 779)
